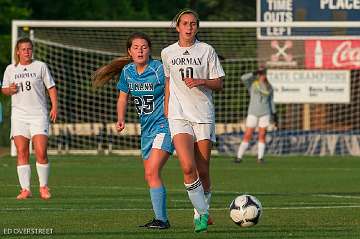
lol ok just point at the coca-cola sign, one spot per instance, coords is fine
(332, 54)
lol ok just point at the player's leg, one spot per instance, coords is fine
(264, 122)
(21, 135)
(183, 139)
(251, 122)
(202, 155)
(205, 136)
(153, 164)
(184, 146)
(40, 142)
(23, 165)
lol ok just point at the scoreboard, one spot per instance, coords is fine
(306, 10)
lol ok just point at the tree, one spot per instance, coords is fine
(229, 10)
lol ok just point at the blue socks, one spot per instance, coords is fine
(158, 200)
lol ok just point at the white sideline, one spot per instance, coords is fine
(182, 190)
(169, 209)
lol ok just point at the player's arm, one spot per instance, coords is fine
(248, 78)
(166, 97)
(121, 110)
(54, 103)
(8, 88)
(213, 84)
(12, 89)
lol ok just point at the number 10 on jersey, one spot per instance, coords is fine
(188, 72)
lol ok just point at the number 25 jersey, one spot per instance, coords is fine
(147, 91)
(31, 80)
(198, 61)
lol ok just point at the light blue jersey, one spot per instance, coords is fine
(261, 96)
(147, 91)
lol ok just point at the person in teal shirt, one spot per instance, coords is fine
(143, 78)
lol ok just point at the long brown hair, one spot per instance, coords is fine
(107, 72)
(16, 49)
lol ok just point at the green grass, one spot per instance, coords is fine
(106, 197)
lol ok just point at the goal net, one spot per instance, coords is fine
(315, 77)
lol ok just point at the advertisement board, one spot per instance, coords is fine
(306, 10)
(332, 54)
(310, 86)
(281, 53)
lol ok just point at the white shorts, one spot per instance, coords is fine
(253, 121)
(29, 128)
(199, 131)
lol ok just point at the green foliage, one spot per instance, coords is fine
(229, 10)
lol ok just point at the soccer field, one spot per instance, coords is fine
(107, 197)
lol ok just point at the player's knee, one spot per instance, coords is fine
(41, 157)
(22, 160)
(151, 175)
(23, 156)
(189, 171)
(247, 136)
(262, 135)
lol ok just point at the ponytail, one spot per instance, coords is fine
(107, 72)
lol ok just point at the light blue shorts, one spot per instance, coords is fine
(160, 141)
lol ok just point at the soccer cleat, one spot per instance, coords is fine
(260, 161)
(24, 194)
(44, 193)
(157, 224)
(201, 223)
(210, 221)
(196, 215)
(237, 160)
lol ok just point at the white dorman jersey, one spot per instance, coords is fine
(198, 61)
(31, 80)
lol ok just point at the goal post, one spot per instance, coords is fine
(324, 122)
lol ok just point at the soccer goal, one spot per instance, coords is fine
(315, 74)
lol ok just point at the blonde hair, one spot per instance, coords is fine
(16, 49)
(107, 72)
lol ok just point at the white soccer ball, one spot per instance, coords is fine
(245, 210)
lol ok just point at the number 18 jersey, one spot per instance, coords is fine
(31, 99)
(198, 61)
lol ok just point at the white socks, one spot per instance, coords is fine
(196, 195)
(207, 201)
(243, 147)
(43, 173)
(261, 150)
(24, 174)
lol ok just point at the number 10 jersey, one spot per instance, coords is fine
(198, 61)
